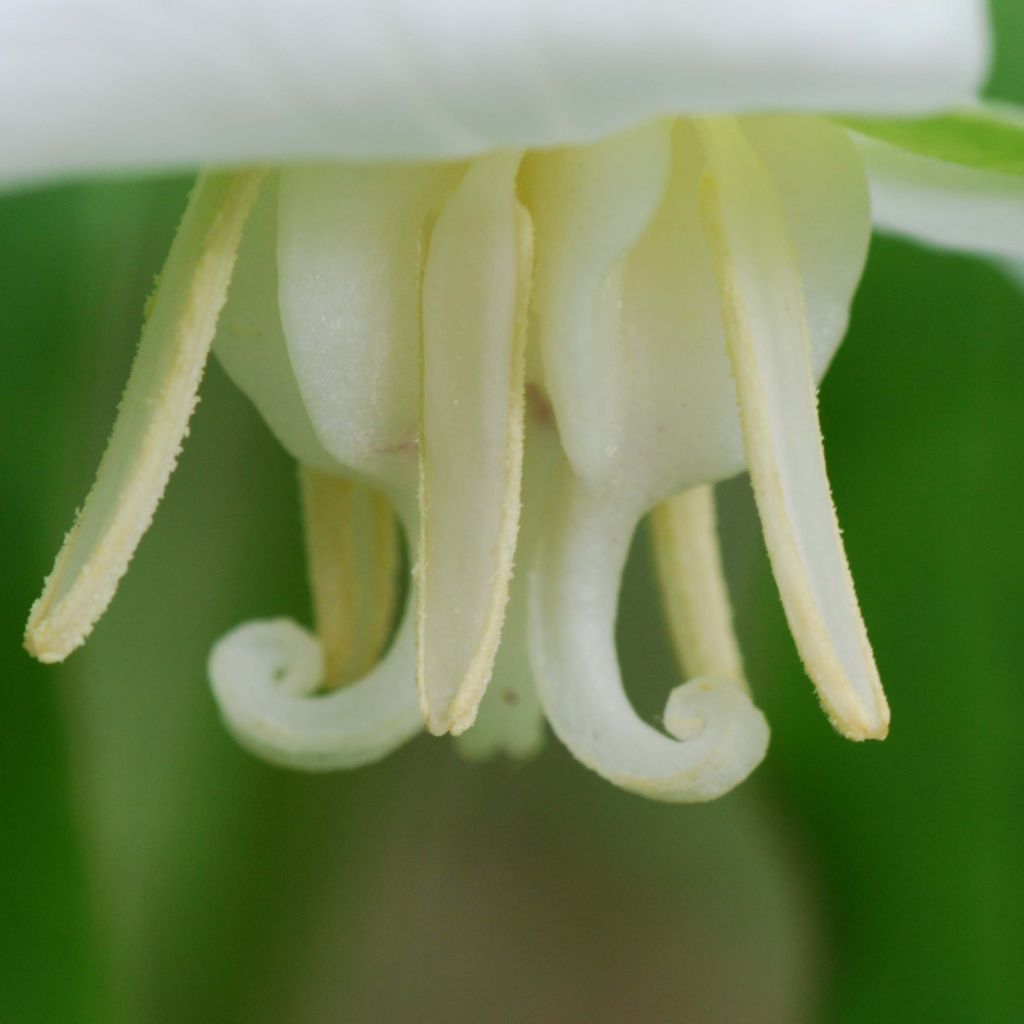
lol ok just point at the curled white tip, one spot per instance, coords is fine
(717, 738)
(706, 700)
(278, 650)
(265, 676)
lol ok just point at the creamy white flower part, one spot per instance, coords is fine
(517, 276)
(405, 327)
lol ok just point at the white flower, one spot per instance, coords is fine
(622, 231)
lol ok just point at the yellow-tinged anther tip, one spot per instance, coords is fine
(152, 419)
(768, 342)
(862, 723)
(42, 647)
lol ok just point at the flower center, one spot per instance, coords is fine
(661, 303)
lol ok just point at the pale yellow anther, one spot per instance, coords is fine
(767, 338)
(476, 293)
(153, 417)
(688, 560)
(353, 555)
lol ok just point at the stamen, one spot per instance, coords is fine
(153, 417)
(689, 565)
(352, 549)
(767, 337)
(475, 294)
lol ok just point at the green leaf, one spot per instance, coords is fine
(989, 137)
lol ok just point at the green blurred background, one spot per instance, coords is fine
(151, 872)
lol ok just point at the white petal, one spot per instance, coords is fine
(265, 675)
(944, 204)
(250, 343)
(721, 736)
(350, 249)
(153, 418)
(100, 84)
(763, 308)
(475, 292)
